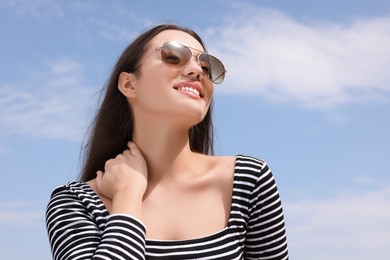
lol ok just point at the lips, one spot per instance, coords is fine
(190, 87)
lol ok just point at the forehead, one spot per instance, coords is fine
(175, 35)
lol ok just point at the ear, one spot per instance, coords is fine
(126, 84)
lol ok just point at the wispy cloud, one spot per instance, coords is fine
(20, 213)
(308, 63)
(48, 103)
(353, 225)
(38, 9)
(315, 64)
(111, 21)
(312, 63)
(20, 218)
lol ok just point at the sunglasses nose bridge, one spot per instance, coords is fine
(194, 58)
(193, 67)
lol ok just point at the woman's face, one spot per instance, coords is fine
(168, 92)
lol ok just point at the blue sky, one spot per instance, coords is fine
(307, 89)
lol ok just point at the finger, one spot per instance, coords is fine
(127, 152)
(134, 150)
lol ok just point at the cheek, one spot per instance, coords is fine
(158, 75)
(150, 77)
(209, 89)
(152, 84)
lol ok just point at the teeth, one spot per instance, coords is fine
(189, 89)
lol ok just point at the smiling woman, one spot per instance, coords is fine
(151, 187)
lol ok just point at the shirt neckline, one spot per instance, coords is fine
(189, 240)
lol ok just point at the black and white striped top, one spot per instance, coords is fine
(79, 226)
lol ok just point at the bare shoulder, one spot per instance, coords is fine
(221, 167)
(224, 162)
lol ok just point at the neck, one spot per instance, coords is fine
(166, 150)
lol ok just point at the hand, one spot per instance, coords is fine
(125, 177)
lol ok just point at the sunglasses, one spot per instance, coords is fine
(177, 55)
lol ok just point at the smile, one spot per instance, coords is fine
(190, 90)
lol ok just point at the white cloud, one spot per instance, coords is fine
(315, 64)
(49, 103)
(111, 21)
(110, 30)
(354, 225)
(38, 9)
(20, 213)
(20, 218)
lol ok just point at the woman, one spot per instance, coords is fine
(150, 187)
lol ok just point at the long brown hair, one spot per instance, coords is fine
(112, 126)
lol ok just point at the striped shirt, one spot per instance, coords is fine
(80, 227)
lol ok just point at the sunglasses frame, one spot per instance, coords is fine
(217, 80)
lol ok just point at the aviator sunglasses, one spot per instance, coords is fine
(177, 55)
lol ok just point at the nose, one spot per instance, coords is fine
(193, 68)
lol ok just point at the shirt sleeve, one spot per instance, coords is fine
(74, 233)
(266, 234)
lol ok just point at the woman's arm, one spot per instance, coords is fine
(73, 230)
(74, 233)
(266, 234)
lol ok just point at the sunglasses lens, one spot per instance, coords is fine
(214, 67)
(175, 54)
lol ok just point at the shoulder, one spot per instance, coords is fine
(69, 188)
(73, 192)
(241, 164)
(221, 166)
(250, 165)
(240, 167)
(253, 172)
